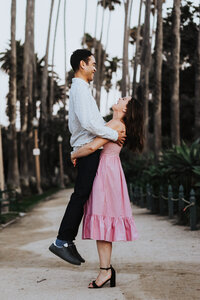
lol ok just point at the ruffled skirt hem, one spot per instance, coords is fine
(111, 229)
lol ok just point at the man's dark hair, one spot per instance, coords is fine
(77, 56)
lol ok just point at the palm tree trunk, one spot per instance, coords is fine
(31, 86)
(13, 168)
(45, 73)
(197, 89)
(108, 30)
(107, 36)
(175, 113)
(99, 62)
(24, 105)
(125, 51)
(51, 96)
(129, 26)
(65, 52)
(95, 30)
(84, 27)
(157, 100)
(145, 68)
(153, 29)
(2, 180)
(31, 69)
(137, 51)
(43, 111)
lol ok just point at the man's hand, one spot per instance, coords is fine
(73, 160)
(121, 137)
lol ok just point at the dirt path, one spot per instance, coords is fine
(163, 264)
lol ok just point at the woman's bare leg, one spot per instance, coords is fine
(104, 250)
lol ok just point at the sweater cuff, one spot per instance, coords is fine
(115, 136)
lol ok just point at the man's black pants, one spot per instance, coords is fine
(87, 168)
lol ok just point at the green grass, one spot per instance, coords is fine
(25, 205)
(5, 218)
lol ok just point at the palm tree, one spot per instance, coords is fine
(125, 50)
(44, 93)
(84, 27)
(13, 169)
(24, 103)
(2, 180)
(197, 89)
(51, 96)
(137, 50)
(145, 67)
(153, 29)
(175, 114)
(128, 38)
(99, 60)
(157, 99)
(45, 74)
(95, 30)
(32, 64)
(65, 53)
(31, 88)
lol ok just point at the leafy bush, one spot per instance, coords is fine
(178, 165)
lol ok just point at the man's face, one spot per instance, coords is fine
(90, 68)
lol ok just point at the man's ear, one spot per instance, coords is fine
(82, 64)
(124, 109)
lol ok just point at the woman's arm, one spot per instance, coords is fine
(98, 142)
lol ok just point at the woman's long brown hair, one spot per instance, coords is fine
(134, 123)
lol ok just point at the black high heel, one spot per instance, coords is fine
(112, 279)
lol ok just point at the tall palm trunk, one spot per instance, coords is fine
(13, 169)
(108, 30)
(32, 65)
(95, 30)
(157, 99)
(65, 53)
(51, 96)
(107, 37)
(45, 73)
(84, 27)
(130, 12)
(175, 114)
(99, 62)
(31, 87)
(125, 51)
(197, 89)
(24, 105)
(145, 68)
(2, 180)
(153, 29)
(137, 51)
(43, 112)
(129, 26)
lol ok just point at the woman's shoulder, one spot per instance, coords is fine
(116, 124)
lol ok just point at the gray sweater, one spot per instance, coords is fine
(85, 121)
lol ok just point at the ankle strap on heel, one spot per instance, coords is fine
(106, 268)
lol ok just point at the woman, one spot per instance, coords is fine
(107, 215)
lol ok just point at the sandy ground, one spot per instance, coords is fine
(164, 263)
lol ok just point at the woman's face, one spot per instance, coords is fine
(121, 104)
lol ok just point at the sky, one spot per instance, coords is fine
(75, 12)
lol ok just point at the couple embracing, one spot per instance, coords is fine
(100, 194)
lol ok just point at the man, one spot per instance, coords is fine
(85, 123)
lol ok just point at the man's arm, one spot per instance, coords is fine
(91, 147)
